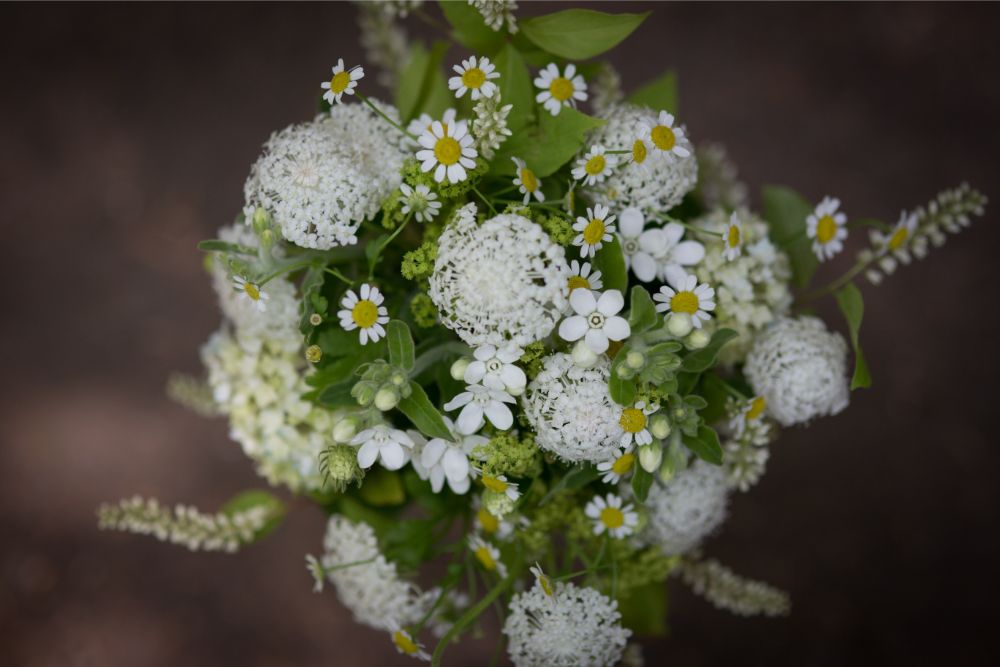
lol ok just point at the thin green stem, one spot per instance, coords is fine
(373, 262)
(485, 200)
(622, 152)
(431, 21)
(289, 268)
(692, 228)
(469, 616)
(339, 275)
(835, 285)
(732, 391)
(384, 117)
(344, 566)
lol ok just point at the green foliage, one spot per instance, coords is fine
(644, 610)
(216, 245)
(641, 481)
(852, 305)
(382, 488)
(418, 409)
(409, 543)
(419, 79)
(701, 360)
(610, 261)
(642, 315)
(786, 212)
(658, 94)
(622, 390)
(558, 227)
(419, 264)
(506, 454)
(400, 343)
(253, 498)
(714, 390)
(515, 86)
(705, 445)
(469, 29)
(578, 34)
(423, 310)
(550, 144)
(533, 359)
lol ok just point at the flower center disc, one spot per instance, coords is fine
(898, 238)
(623, 464)
(663, 137)
(561, 88)
(484, 556)
(252, 291)
(593, 232)
(447, 151)
(639, 151)
(733, 237)
(684, 302)
(633, 420)
(494, 365)
(528, 180)
(364, 313)
(488, 521)
(339, 82)
(494, 484)
(612, 518)
(404, 643)
(577, 281)
(595, 165)
(826, 229)
(756, 407)
(596, 320)
(473, 78)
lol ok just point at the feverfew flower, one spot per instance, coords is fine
(686, 297)
(594, 166)
(634, 421)
(496, 369)
(526, 181)
(615, 468)
(420, 200)
(478, 402)
(594, 230)
(406, 645)
(667, 139)
(367, 313)
(686, 509)
(581, 276)
(732, 239)
(827, 227)
(424, 122)
(653, 253)
(390, 445)
(752, 411)
(596, 319)
(342, 82)
(560, 89)
(501, 485)
(901, 233)
(611, 516)
(476, 77)
(448, 150)
(487, 555)
(252, 292)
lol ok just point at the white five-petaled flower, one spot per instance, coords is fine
(367, 313)
(343, 82)
(526, 181)
(443, 460)
(390, 445)
(594, 166)
(495, 368)
(634, 422)
(478, 402)
(827, 227)
(405, 643)
(420, 200)
(252, 292)
(596, 319)
(448, 150)
(424, 122)
(685, 296)
(594, 230)
(638, 244)
(664, 136)
(499, 484)
(611, 515)
(581, 276)
(560, 89)
(487, 555)
(732, 239)
(621, 464)
(475, 77)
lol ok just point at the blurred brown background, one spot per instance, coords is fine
(126, 134)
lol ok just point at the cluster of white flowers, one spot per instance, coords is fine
(685, 510)
(657, 252)
(320, 180)
(727, 590)
(606, 89)
(719, 184)
(745, 441)
(383, 40)
(500, 281)
(570, 627)
(489, 127)
(800, 368)
(497, 13)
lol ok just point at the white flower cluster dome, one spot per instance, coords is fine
(573, 627)
(686, 509)
(571, 411)
(654, 187)
(800, 368)
(499, 281)
(320, 180)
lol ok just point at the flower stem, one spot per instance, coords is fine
(469, 616)
(692, 228)
(373, 262)
(836, 284)
(384, 117)
(338, 274)
(485, 200)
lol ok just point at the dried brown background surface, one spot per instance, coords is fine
(126, 133)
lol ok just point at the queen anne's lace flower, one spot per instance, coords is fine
(500, 281)
(800, 368)
(571, 411)
(686, 509)
(574, 627)
(321, 180)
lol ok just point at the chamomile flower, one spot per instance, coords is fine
(542, 579)
(367, 313)
(732, 240)
(390, 445)
(406, 645)
(487, 555)
(611, 515)
(424, 122)
(420, 200)
(901, 233)
(634, 422)
(594, 166)
(642, 149)
(596, 319)
(594, 230)
(526, 181)
(827, 227)
(252, 292)
(560, 90)
(474, 77)
(448, 150)
(478, 402)
(496, 528)
(499, 484)
(752, 411)
(615, 468)
(685, 296)
(581, 276)
(496, 369)
(665, 138)
(343, 82)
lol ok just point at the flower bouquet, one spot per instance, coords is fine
(536, 348)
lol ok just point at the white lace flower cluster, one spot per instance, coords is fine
(366, 582)
(497, 13)
(321, 180)
(800, 368)
(719, 183)
(571, 411)
(686, 509)
(500, 281)
(745, 440)
(571, 627)
(489, 127)
(383, 40)
(727, 590)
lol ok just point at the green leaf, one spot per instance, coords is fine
(438, 354)
(714, 391)
(644, 609)
(409, 543)
(216, 245)
(400, 342)
(419, 410)
(786, 212)
(253, 498)
(515, 86)
(548, 146)
(382, 488)
(420, 80)
(705, 445)
(641, 481)
(852, 305)
(576, 478)
(642, 314)
(358, 512)
(469, 29)
(658, 94)
(610, 261)
(337, 395)
(578, 34)
(622, 391)
(703, 359)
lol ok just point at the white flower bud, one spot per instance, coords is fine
(659, 426)
(386, 399)
(344, 430)
(261, 220)
(515, 391)
(679, 324)
(583, 356)
(650, 457)
(398, 379)
(458, 369)
(698, 339)
(635, 360)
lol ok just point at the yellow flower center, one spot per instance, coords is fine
(663, 137)
(612, 517)
(756, 408)
(639, 151)
(484, 556)
(595, 165)
(447, 151)
(577, 281)
(684, 302)
(623, 464)
(593, 232)
(898, 238)
(339, 82)
(473, 78)
(633, 420)
(487, 521)
(546, 585)
(252, 291)
(733, 237)
(404, 643)
(826, 229)
(561, 88)
(494, 484)
(364, 313)
(528, 180)
(314, 353)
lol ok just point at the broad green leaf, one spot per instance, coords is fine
(786, 212)
(548, 146)
(419, 410)
(621, 391)
(382, 488)
(515, 86)
(337, 395)
(356, 511)
(705, 445)
(852, 305)
(641, 481)
(703, 359)
(714, 390)
(658, 94)
(420, 81)
(644, 609)
(470, 30)
(642, 314)
(253, 498)
(400, 341)
(578, 34)
(610, 261)
(437, 98)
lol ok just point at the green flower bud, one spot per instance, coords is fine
(267, 240)
(458, 369)
(635, 360)
(398, 378)
(314, 353)
(344, 430)
(340, 466)
(315, 319)
(364, 392)
(659, 426)
(386, 398)
(261, 220)
(650, 457)
(698, 339)
(625, 372)
(679, 324)
(583, 356)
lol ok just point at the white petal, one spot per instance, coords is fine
(458, 401)
(616, 328)
(631, 222)
(513, 376)
(644, 267)
(470, 419)
(393, 456)
(688, 253)
(499, 415)
(455, 464)
(583, 301)
(610, 303)
(367, 454)
(475, 371)
(433, 452)
(572, 328)
(673, 232)
(597, 341)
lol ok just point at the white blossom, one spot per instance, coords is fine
(390, 445)
(596, 319)
(685, 510)
(496, 368)
(479, 403)
(653, 253)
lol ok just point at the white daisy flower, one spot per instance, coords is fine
(827, 227)
(732, 240)
(475, 77)
(478, 402)
(609, 514)
(581, 276)
(594, 230)
(366, 313)
(424, 122)
(665, 137)
(499, 529)
(487, 555)
(252, 292)
(542, 579)
(901, 233)
(596, 319)
(343, 82)
(685, 296)
(634, 422)
(495, 368)
(751, 411)
(560, 89)
(526, 181)
(499, 484)
(390, 445)
(406, 645)
(642, 150)
(448, 150)
(443, 460)
(615, 468)
(420, 200)
(594, 166)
